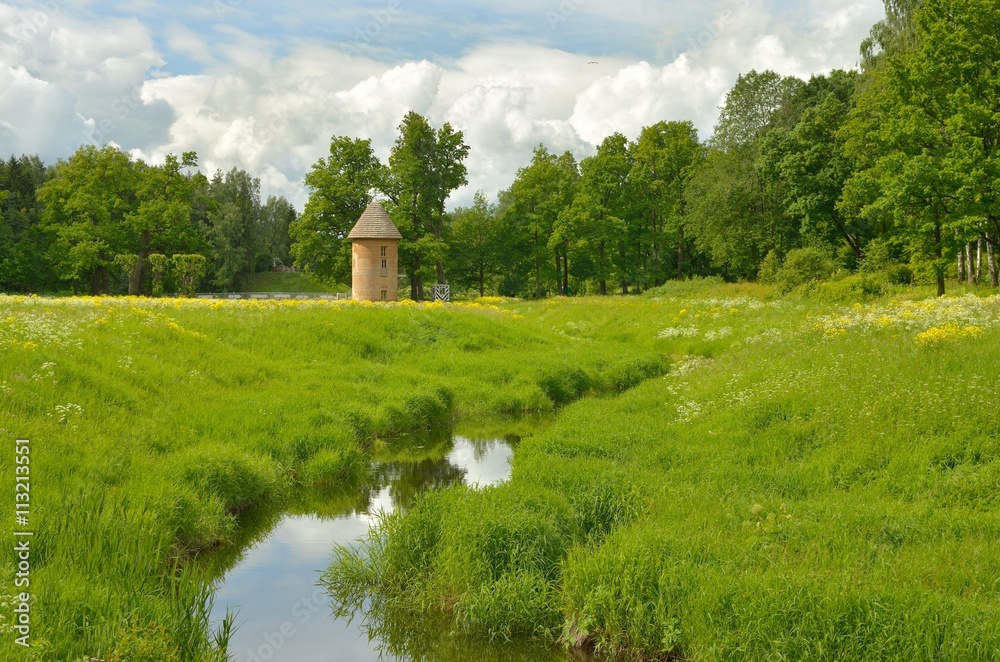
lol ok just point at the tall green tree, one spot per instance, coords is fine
(735, 212)
(161, 221)
(24, 244)
(927, 137)
(539, 193)
(234, 223)
(87, 204)
(666, 155)
(598, 215)
(425, 167)
(810, 160)
(475, 244)
(341, 185)
(276, 216)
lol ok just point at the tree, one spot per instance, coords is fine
(425, 166)
(189, 270)
(596, 218)
(162, 216)
(474, 244)
(87, 203)
(809, 159)
(734, 211)
(24, 243)
(234, 227)
(341, 187)
(276, 216)
(927, 137)
(539, 193)
(666, 155)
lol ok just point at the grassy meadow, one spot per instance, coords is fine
(730, 474)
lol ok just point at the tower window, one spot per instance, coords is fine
(383, 252)
(384, 265)
(384, 294)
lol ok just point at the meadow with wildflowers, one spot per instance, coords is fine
(810, 481)
(730, 474)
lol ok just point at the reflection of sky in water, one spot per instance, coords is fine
(283, 615)
(485, 463)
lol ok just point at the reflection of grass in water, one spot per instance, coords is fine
(434, 639)
(511, 428)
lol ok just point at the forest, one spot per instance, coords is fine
(890, 171)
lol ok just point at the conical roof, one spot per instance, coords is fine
(375, 224)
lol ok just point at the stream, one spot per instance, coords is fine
(270, 580)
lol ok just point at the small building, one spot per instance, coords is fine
(375, 256)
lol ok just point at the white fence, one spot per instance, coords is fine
(339, 296)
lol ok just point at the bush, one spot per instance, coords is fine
(804, 265)
(899, 274)
(769, 268)
(878, 257)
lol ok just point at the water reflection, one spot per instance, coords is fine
(272, 581)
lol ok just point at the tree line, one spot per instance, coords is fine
(104, 222)
(893, 168)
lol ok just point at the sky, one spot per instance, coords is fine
(264, 85)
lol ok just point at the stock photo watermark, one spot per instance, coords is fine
(562, 13)
(224, 7)
(363, 36)
(120, 109)
(22, 542)
(273, 641)
(715, 28)
(33, 24)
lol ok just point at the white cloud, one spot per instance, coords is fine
(272, 107)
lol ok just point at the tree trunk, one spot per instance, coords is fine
(604, 283)
(970, 265)
(482, 280)
(538, 272)
(939, 254)
(680, 252)
(416, 284)
(991, 264)
(565, 275)
(559, 288)
(961, 266)
(440, 273)
(979, 261)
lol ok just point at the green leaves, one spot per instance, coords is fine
(342, 185)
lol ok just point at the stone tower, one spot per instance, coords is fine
(375, 256)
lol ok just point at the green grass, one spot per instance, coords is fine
(724, 474)
(812, 483)
(279, 281)
(157, 426)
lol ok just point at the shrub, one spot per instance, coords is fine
(877, 257)
(804, 265)
(769, 268)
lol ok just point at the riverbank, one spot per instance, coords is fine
(813, 481)
(155, 425)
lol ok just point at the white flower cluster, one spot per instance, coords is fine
(678, 332)
(718, 334)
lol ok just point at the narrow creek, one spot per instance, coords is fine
(270, 580)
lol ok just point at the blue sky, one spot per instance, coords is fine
(264, 85)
